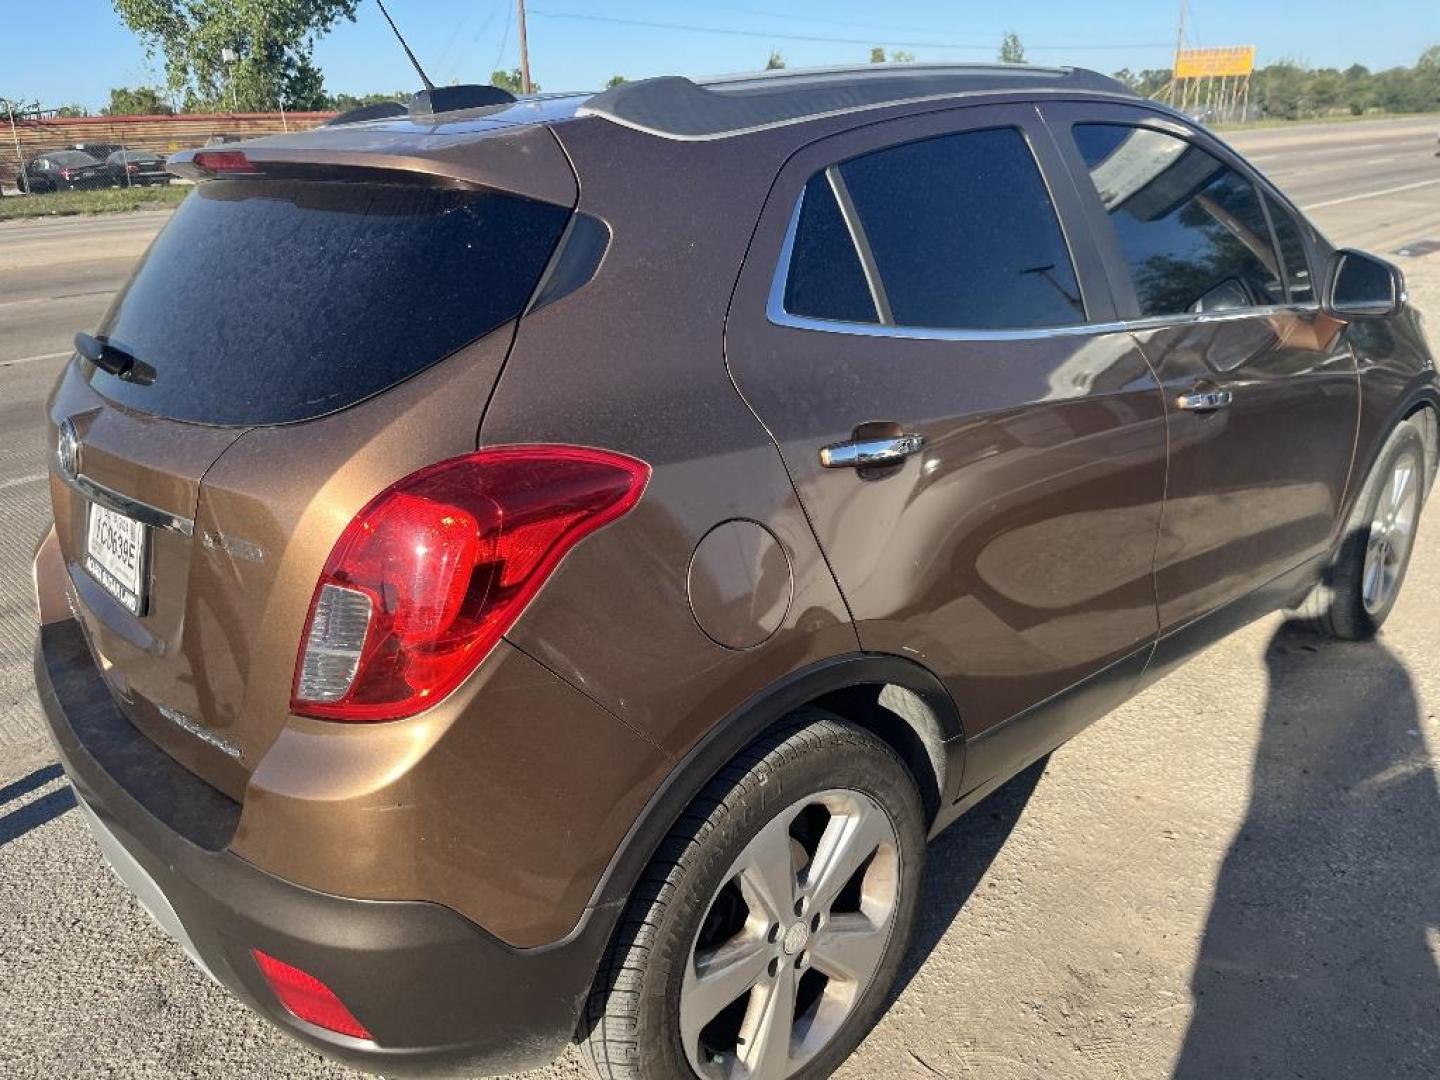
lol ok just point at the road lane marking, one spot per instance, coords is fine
(1320, 149)
(32, 359)
(33, 478)
(52, 299)
(1370, 194)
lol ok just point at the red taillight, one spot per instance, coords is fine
(132, 168)
(65, 174)
(307, 997)
(221, 161)
(425, 579)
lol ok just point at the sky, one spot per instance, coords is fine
(73, 51)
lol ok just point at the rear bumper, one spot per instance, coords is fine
(439, 994)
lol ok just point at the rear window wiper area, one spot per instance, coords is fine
(110, 357)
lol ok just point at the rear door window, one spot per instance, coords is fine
(1189, 228)
(265, 300)
(953, 232)
(826, 280)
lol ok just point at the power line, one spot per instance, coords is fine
(823, 20)
(819, 19)
(825, 39)
(461, 25)
(504, 36)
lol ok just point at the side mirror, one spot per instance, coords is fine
(1362, 286)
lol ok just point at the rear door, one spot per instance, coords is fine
(1262, 391)
(911, 291)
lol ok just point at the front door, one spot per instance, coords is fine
(979, 446)
(1214, 274)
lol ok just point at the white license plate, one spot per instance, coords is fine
(116, 555)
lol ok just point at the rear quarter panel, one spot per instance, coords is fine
(634, 362)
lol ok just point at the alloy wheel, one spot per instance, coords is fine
(791, 939)
(1392, 531)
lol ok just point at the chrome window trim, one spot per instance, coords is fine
(777, 315)
(1153, 322)
(860, 241)
(142, 512)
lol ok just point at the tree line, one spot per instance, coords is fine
(257, 57)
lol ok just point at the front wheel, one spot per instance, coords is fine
(1363, 582)
(765, 937)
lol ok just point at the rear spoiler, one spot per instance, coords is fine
(519, 159)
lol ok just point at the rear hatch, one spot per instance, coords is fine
(299, 337)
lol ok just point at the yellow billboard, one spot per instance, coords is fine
(1214, 63)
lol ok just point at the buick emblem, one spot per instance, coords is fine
(67, 450)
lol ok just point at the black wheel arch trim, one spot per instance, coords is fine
(1425, 392)
(747, 722)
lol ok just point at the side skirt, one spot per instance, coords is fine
(997, 755)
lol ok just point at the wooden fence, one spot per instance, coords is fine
(164, 134)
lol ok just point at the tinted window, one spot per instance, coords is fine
(72, 157)
(1189, 227)
(826, 280)
(264, 301)
(1292, 254)
(960, 231)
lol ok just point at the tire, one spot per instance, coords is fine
(1348, 604)
(701, 882)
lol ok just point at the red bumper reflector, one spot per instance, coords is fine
(308, 998)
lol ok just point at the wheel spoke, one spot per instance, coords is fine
(849, 947)
(1374, 574)
(767, 872)
(717, 978)
(769, 1026)
(849, 839)
(1399, 488)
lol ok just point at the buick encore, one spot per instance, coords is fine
(533, 570)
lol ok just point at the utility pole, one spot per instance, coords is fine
(1175, 64)
(526, 86)
(20, 184)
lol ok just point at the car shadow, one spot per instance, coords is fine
(37, 812)
(958, 860)
(1319, 957)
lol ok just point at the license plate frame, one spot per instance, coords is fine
(117, 555)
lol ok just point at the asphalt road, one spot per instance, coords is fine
(1234, 875)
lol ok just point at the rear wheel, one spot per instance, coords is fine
(765, 937)
(1363, 582)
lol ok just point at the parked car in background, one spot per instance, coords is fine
(98, 150)
(137, 167)
(544, 570)
(63, 170)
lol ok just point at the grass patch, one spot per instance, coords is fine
(106, 201)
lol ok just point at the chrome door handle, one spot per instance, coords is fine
(1204, 400)
(857, 453)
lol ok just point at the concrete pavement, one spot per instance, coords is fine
(1234, 875)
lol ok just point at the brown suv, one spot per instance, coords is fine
(543, 571)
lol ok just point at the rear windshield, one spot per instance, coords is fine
(265, 301)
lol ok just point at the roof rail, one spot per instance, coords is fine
(675, 107)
